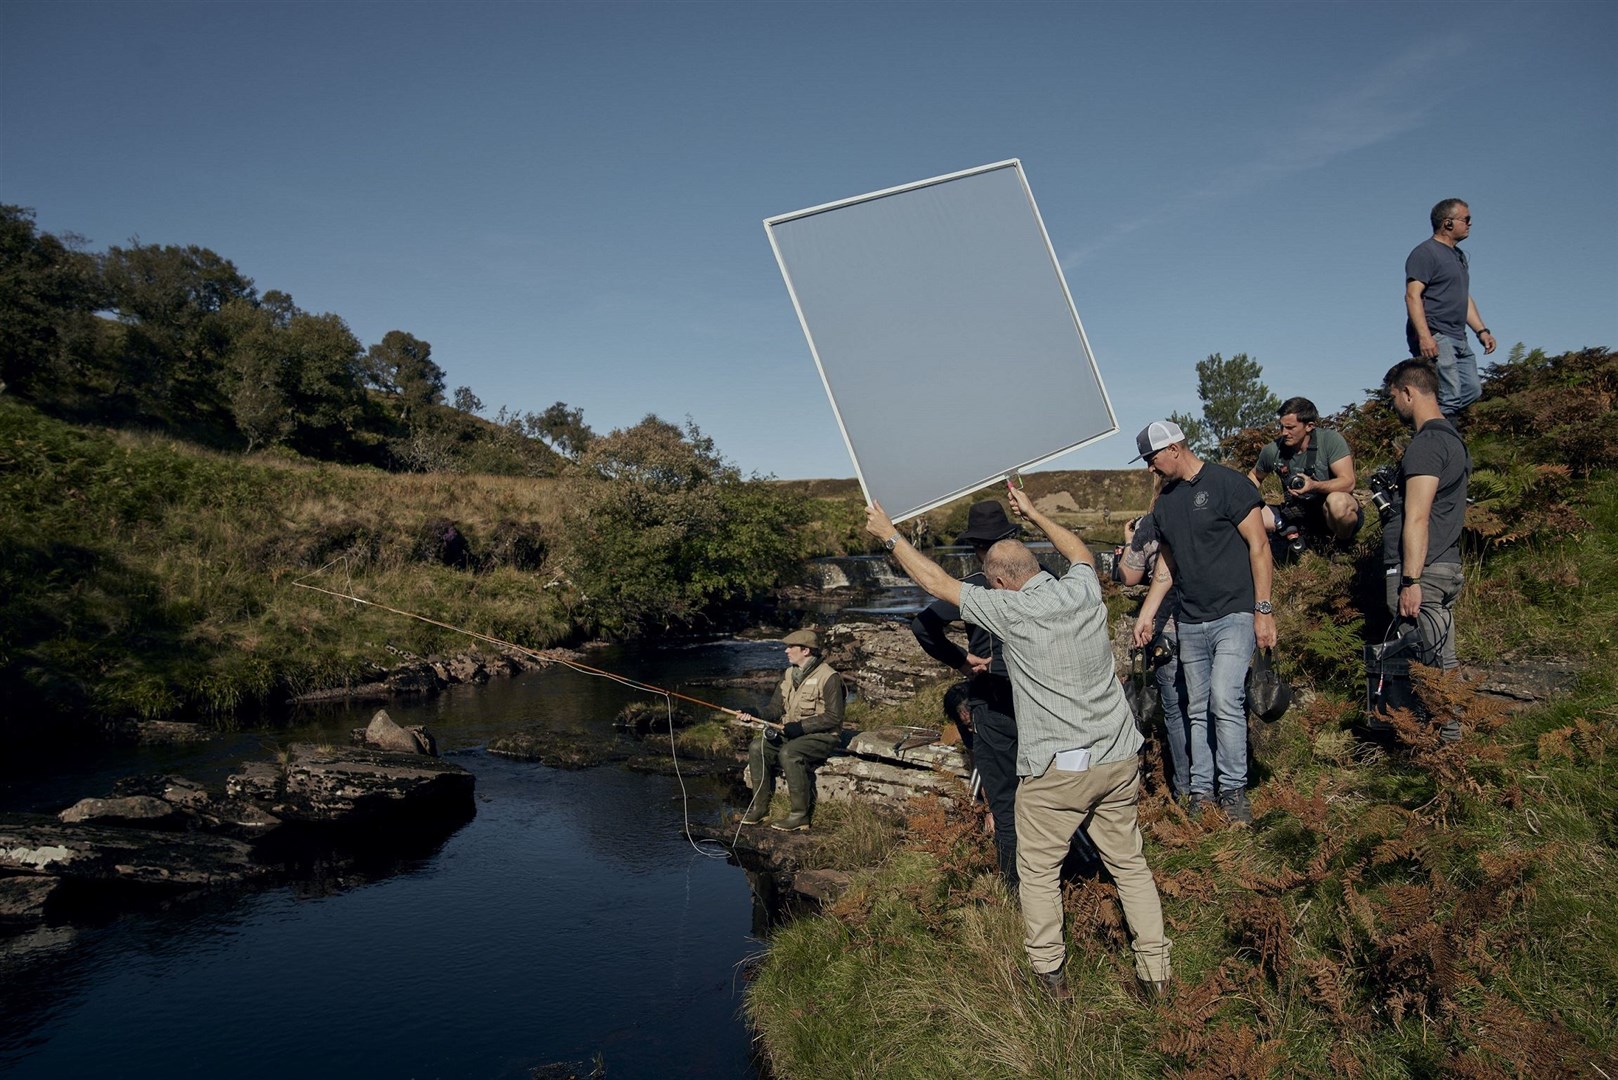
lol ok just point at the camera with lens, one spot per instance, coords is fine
(1384, 485)
(1295, 482)
(1289, 527)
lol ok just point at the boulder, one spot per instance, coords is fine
(882, 659)
(177, 791)
(850, 777)
(139, 811)
(315, 784)
(821, 886)
(130, 856)
(416, 677)
(911, 747)
(384, 734)
(200, 808)
(23, 899)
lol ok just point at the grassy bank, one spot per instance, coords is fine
(143, 576)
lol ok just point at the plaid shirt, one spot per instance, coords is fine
(1062, 679)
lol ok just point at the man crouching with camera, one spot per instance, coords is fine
(1316, 469)
(1421, 530)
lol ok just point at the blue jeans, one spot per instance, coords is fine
(1214, 658)
(1458, 382)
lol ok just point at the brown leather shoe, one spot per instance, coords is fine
(1054, 983)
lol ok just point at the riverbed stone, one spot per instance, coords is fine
(141, 811)
(130, 856)
(558, 749)
(23, 899)
(384, 733)
(326, 784)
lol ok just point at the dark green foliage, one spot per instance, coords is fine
(401, 364)
(48, 296)
(662, 531)
(194, 350)
(563, 428)
(171, 301)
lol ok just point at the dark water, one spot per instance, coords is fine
(571, 917)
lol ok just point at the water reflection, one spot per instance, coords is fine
(570, 917)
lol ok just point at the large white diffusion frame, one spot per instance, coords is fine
(944, 332)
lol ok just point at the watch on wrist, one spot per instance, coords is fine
(1406, 582)
(1263, 608)
(891, 542)
(1485, 330)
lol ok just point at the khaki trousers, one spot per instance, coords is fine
(1103, 799)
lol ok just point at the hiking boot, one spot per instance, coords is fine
(1236, 807)
(793, 822)
(1197, 802)
(1054, 983)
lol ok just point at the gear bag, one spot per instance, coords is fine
(1268, 695)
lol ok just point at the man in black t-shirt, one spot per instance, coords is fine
(1210, 524)
(1421, 540)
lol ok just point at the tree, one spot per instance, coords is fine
(662, 531)
(562, 428)
(291, 376)
(49, 293)
(171, 300)
(466, 401)
(402, 364)
(1234, 398)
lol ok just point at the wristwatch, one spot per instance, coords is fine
(891, 542)
(1263, 608)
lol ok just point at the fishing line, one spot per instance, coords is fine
(667, 695)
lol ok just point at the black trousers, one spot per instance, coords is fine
(994, 753)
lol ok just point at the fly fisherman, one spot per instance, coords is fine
(802, 726)
(1078, 750)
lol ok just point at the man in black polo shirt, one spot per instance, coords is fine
(1214, 547)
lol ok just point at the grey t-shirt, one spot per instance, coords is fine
(1444, 271)
(1436, 450)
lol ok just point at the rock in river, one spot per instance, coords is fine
(324, 784)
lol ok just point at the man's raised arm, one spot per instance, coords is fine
(1063, 539)
(922, 570)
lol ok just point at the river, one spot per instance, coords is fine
(569, 918)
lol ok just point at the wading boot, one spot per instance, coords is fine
(756, 815)
(797, 821)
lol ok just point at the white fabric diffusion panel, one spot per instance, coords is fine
(944, 333)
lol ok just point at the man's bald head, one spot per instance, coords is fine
(1009, 564)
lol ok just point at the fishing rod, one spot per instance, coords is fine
(544, 657)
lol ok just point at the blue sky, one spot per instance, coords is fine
(566, 199)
